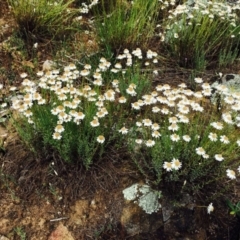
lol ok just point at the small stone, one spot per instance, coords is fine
(61, 233)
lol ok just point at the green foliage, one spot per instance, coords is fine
(20, 233)
(122, 24)
(43, 19)
(234, 208)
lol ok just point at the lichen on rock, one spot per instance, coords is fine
(144, 196)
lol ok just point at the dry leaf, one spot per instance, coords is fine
(27, 64)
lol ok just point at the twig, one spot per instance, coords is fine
(58, 219)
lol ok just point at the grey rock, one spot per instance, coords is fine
(144, 196)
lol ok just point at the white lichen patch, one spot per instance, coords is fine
(131, 193)
(144, 196)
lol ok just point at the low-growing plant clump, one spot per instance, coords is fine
(44, 19)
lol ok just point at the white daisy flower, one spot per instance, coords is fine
(139, 124)
(72, 113)
(198, 80)
(110, 95)
(97, 82)
(84, 72)
(101, 114)
(56, 136)
(224, 139)
(62, 116)
(173, 127)
(235, 107)
(141, 102)
(115, 83)
(118, 66)
(3, 105)
(187, 92)
(165, 111)
(139, 141)
(80, 116)
(59, 128)
(205, 156)
(217, 125)
(12, 88)
(147, 122)
(213, 136)
(197, 107)
(184, 109)
(182, 85)
(198, 94)
(176, 164)
(23, 75)
(97, 75)
(173, 120)
(87, 66)
(149, 54)
(167, 166)
(166, 87)
(200, 151)
(155, 109)
(206, 86)
(101, 139)
(229, 100)
(123, 130)
(40, 73)
(131, 91)
(159, 88)
(210, 208)
(231, 174)
(62, 97)
(156, 134)
(186, 138)
(155, 126)
(171, 103)
(135, 106)
(150, 143)
(95, 122)
(183, 119)
(218, 157)
(122, 99)
(175, 35)
(207, 92)
(174, 137)
(227, 118)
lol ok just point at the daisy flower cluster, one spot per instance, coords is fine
(181, 121)
(81, 98)
(167, 4)
(85, 8)
(209, 8)
(186, 22)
